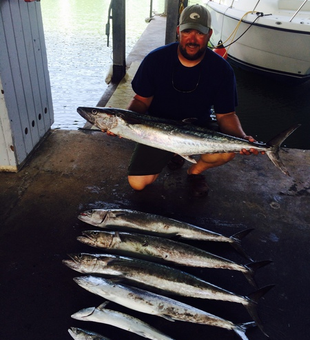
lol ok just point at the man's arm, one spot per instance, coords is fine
(229, 123)
(140, 104)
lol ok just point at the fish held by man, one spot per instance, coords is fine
(166, 250)
(183, 139)
(152, 223)
(81, 334)
(155, 304)
(119, 320)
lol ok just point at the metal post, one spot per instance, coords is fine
(151, 9)
(119, 37)
(299, 9)
(172, 20)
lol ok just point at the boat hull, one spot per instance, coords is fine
(271, 45)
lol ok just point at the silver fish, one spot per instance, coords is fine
(151, 223)
(165, 249)
(176, 137)
(155, 304)
(119, 320)
(161, 277)
(81, 334)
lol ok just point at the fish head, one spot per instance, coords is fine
(94, 238)
(81, 334)
(83, 263)
(82, 314)
(77, 333)
(96, 217)
(93, 283)
(87, 113)
(89, 263)
(103, 118)
(86, 240)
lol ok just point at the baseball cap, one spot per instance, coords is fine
(195, 17)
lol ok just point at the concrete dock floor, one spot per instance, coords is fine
(73, 171)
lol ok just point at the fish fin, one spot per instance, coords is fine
(254, 297)
(103, 305)
(236, 242)
(117, 236)
(117, 213)
(252, 305)
(252, 268)
(241, 329)
(275, 144)
(167, 317)
(189, 158)
(190, 120)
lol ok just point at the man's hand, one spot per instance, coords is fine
(252, 150)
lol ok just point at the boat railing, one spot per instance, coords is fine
(232, 3)
(298, 10)
(258, 1)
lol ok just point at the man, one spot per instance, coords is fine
(184, 80)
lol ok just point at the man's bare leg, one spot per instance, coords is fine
(208, 161)
(140, 182)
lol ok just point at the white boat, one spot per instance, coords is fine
(268, 36)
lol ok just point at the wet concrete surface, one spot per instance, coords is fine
(74, 171)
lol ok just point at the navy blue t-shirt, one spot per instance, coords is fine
(182, 92)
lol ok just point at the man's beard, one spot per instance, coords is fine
(196, 56)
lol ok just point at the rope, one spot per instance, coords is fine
(234, 32)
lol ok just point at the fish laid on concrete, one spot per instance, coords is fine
(155, 304)
(165, 249)
(119, 320)
(81, 334)
(177, 137)
(151, 223)
(161, 277)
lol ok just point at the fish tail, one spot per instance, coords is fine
(241, 329)
(273, 152)
(252, 306)
(252, 267)
(236, 242)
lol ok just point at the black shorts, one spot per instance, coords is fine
(146, 160)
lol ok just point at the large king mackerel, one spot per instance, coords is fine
(177, 137)
(119, 320)
(164, 249)
(155, 304)
(157, 224)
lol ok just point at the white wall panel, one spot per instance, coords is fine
(25, 78)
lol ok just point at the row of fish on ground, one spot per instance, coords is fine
(154, 242)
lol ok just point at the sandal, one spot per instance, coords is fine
(198, 185)
(176, 162)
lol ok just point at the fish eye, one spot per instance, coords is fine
(94, 112)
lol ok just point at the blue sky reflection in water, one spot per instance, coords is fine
(79, 61)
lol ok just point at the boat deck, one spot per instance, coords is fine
(73, 171)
